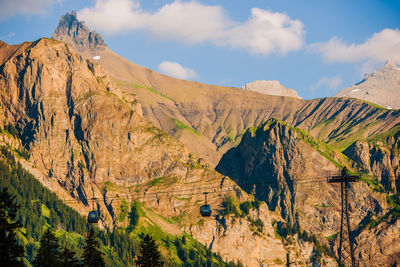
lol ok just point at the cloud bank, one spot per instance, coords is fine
(176, 70)
(263, 33)
(14, 7)
(380, 47)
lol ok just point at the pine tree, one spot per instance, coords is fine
(48, 254)
(11, 253)
(149, 256)
(133, 217)
(68, 258)
(92, 256)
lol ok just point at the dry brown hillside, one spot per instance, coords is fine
(211, 119)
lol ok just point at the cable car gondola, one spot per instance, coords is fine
(205, 209)
(93, 215)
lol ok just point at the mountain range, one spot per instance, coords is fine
(95, 125)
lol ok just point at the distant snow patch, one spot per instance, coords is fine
(355, 90)
(389, 107)
(96, 57)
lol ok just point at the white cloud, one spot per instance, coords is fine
(176, 70)
(192, 22)
(327, 82)
(14, 7)
(265, 32)
(380, 47)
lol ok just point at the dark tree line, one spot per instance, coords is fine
(149, 256)
(50, 254)
(11, 253)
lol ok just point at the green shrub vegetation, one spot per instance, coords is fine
(284, 230)
(256, 224)
(246, 206)
(230, 207)
(10, 129)
(123, 210)
(183, 126)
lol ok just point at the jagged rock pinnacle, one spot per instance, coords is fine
(390, 64)
(75, 32)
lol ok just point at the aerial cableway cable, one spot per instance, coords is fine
(150, 194)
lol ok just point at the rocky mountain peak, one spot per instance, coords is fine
(381, 87)
(390, 65)
(389, 69)
(270, 88)
(75, 32)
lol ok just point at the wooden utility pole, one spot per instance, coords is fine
(346, 250)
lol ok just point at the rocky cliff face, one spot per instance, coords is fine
(379, 158)
(288, 169)
(266, 249)
(73, 31)
(381, 87)
(86, 139)
(79, 128)
(270, 88)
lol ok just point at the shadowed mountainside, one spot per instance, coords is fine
(287, 168)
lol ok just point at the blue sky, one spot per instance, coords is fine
(316, 47)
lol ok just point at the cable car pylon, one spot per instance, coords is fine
(346, 250)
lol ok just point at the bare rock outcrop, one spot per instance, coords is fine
(270, 88)
(379, 158)
(265, 247)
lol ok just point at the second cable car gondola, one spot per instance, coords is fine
(205, 209)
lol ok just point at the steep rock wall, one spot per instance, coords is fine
(288, 169)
